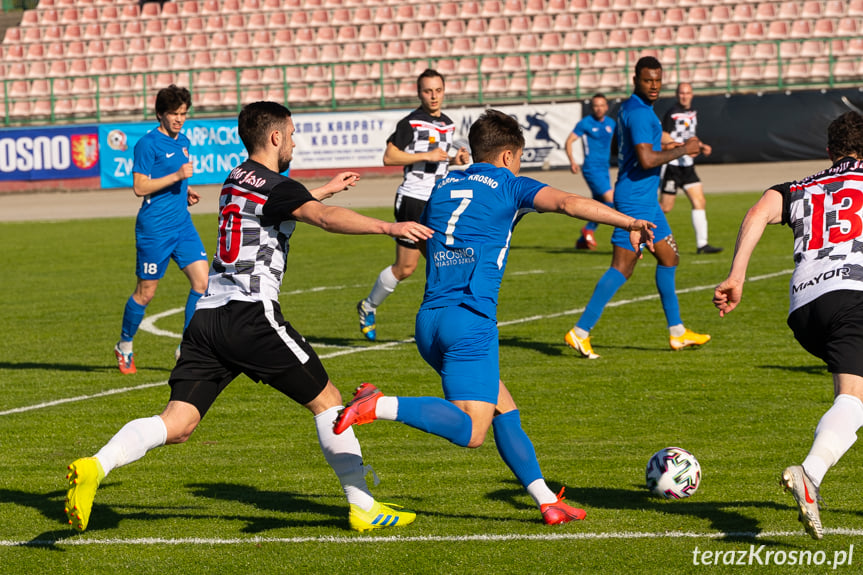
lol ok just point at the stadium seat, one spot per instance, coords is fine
(741, 51)
(824, 28)
(652, 18)
(812, 49)
(766, 11)
(720, 14)
(801, 29)
(34, 52)
(551, 42)
(731, 32)
(811, 9)
(855, 8)
(742, 13)
(390, 31)
(640, 37)
(717, 53)
(595, 39)
(299, 19)
(789, 49)
(556, 6)
(585, 21)
(374, 51)
(778, 30)
(630, 19)
(788, 10)
(765, 51)
(663, 36)
(685, 35)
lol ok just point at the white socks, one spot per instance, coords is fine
(580, 332)
(384, 286)
(132, 442)
(676, 330)
(835, 434)
(125, 346)
(699, 223)
(540, 492)
(387, 408)
(344, 455)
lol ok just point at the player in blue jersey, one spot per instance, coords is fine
(473, 213)
(640, 157)
(163, 229)
(595, 133)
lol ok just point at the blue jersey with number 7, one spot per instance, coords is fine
(472, 213)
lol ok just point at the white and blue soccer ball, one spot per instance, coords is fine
(673, 473)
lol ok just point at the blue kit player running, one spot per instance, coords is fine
(163, 229)
(595, 133)
(640, 157)
(473, 214)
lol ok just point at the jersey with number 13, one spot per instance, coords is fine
(472, 213)
(825, 211)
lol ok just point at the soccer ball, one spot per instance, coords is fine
(673, 473)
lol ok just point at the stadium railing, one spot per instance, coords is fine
(743, 66)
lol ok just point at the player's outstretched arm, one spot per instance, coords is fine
(649, 158)
(339, 183)
(393, 156)
(344, 221)
(550, 199)
(767, 210)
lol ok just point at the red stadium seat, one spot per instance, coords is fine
(788, 10)
(811, 9)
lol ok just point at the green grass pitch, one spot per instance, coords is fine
(251, 493)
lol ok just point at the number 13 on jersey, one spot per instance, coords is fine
(841, 215)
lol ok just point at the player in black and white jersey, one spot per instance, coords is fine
(423, 144)
(678, 125)
(825, 212)
(238, 325)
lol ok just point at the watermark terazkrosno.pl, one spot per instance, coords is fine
(761, 555)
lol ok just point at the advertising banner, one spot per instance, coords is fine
(215, 150)
(358, 139)
(49, 153)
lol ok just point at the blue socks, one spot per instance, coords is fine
(437, 416)
(665, 284)
(515, 447)
(605, 289)
(191, 302)
(132, 317)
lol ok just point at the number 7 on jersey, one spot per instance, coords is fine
(466, 197)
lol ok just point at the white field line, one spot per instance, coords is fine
(384, 346)
(630, 535)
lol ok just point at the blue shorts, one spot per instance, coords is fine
(651, 212)
(154, 252)
(461, 345)
(598, 181)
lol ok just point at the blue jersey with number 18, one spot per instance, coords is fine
(472, 213)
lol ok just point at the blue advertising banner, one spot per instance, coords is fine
(49, 153)
(215, 150)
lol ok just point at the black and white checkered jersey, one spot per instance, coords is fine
(420, 132)
(681, 123)
(255, 227)
(825, 211)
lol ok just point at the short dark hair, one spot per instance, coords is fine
(492, 133)
(599, 95)
(171, 98)
(845, 136)
(429, 73)
(648, 63)
(257, 120)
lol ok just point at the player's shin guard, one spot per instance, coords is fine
(437, 416)
(384, 286)
(515, 447)
(344, 455)
(132, 442)
(835, 434)
(133, 315)
(605, 289)
(191, 302)
(665, 285)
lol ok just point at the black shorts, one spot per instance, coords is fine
(244, 337)
(408, 209)
(831, 328)
(677, 178)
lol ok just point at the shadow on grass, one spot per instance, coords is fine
(723, 517)
(24, 365)
(807, 369)
(278, 501)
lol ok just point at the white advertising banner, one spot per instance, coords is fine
(358, 139)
